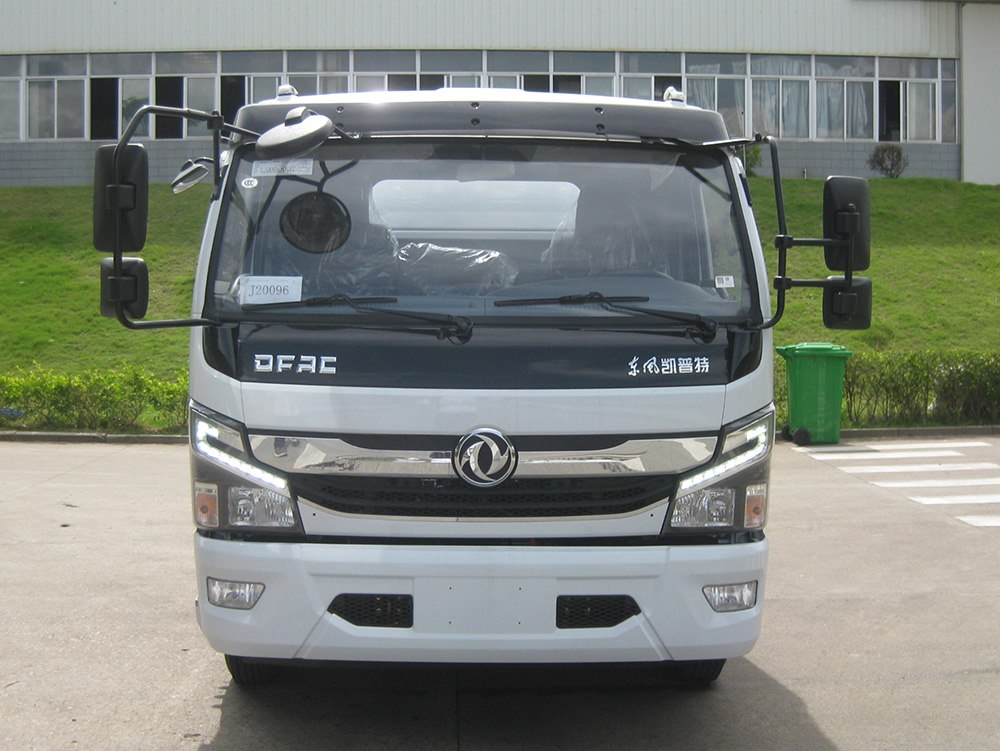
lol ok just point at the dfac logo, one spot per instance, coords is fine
(484, 458)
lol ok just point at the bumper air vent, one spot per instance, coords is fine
(594, 611)
(374, 611)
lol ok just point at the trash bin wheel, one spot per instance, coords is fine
(801, 437)
(786, 432)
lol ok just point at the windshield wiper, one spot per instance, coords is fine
(456, 329)
(580, 299)
(700, 329)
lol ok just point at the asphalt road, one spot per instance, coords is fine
(881, 626)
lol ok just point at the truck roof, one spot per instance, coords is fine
(495, 112)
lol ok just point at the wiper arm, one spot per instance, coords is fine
(456, 329)
(701, 329)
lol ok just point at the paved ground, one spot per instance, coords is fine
(881, 626)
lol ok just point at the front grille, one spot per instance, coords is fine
(529, 498)
(374, 611)
(594, 611)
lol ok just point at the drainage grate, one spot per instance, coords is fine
(594, 611)
(374, 611)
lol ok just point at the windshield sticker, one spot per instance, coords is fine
(257, 290)
(274, 167)
(725, 282)
(669, 366)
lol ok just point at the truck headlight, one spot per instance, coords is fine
(731, 492)
(232, 491)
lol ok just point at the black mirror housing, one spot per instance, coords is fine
(847, 217)
(123, 202)
(131, 288)
(847, 310)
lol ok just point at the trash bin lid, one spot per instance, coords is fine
(813, 349)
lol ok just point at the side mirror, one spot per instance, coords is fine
(122, 202)
(847, 219)
(192, 173)
(847, 309)
(131, 288)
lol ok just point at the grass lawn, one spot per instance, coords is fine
(935, 266)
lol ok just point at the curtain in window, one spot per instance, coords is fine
(795, 109)
(860, 109)
(829, 109)
(765, 106)
(701, 92)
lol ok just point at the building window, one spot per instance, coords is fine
(718, 81)
(10, 97)
(949, 101)
(908, 106)
(55, 108)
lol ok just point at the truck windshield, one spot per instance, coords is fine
(486, 228)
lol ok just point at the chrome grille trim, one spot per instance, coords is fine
(330, 456)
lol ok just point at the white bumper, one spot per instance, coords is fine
(480, 603)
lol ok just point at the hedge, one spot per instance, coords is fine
(880, 390)
(904, 389)
(123, 400)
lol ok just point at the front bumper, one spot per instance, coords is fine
(482, 603)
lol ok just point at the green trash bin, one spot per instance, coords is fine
(815, 391)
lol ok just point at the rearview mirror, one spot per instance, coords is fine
(848, 310)
(131, 288)
(121, 202)
(192, 173)
(847, 219)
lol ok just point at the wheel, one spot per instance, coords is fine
(786, 432)
(248, 672)
(696, 672)
(801, 437)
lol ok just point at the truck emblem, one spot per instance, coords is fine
(326, 365)
(484, 458)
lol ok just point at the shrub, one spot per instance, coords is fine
(114, 400)
(912, 388)
(888, 160)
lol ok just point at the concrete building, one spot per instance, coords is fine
(831, 79)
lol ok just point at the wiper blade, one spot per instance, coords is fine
(700, 329)
(324, 301)
(456, 329)
(581, 299)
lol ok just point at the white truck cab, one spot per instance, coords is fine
(478, 376)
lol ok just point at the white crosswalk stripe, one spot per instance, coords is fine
(932, 483)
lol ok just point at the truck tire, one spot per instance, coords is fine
(248, 672)
(696, 672)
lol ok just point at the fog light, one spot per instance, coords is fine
(730, 598)
(234, 595)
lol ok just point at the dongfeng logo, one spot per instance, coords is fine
(484, 458)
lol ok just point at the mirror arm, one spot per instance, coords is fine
(122, 198)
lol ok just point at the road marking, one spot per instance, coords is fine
(980, 521)
(955, 500)
(955, 483)
(893, 447)
(887, 455)
(900, 468)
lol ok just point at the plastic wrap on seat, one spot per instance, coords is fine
(365, 266)
(427, 269)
